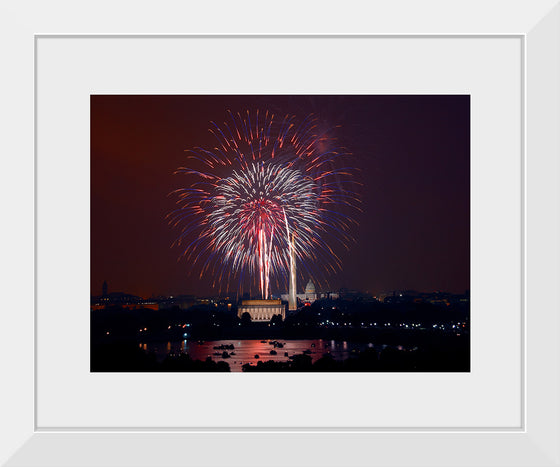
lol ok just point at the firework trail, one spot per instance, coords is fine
(267, 187)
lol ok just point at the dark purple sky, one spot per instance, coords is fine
(414, 156)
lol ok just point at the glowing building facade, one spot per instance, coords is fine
(262, 310)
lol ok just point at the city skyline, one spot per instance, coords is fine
(232, 296)
(412, 151)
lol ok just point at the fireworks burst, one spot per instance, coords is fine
(268, 186)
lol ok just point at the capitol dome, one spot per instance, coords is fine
(310, 288)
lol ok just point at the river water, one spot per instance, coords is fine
(253, 350)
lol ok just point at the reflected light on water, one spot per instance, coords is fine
(244, 351)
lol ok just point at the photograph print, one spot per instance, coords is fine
(280, 233)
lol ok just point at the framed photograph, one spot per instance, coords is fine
(443, 212)
(271, 216)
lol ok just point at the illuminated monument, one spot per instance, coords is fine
(262, 310)
(292, 298)
(310, 295)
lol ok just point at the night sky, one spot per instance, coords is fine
(413, 153)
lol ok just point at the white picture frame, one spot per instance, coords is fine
(536, 25)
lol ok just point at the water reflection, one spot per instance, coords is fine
(253, 350)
